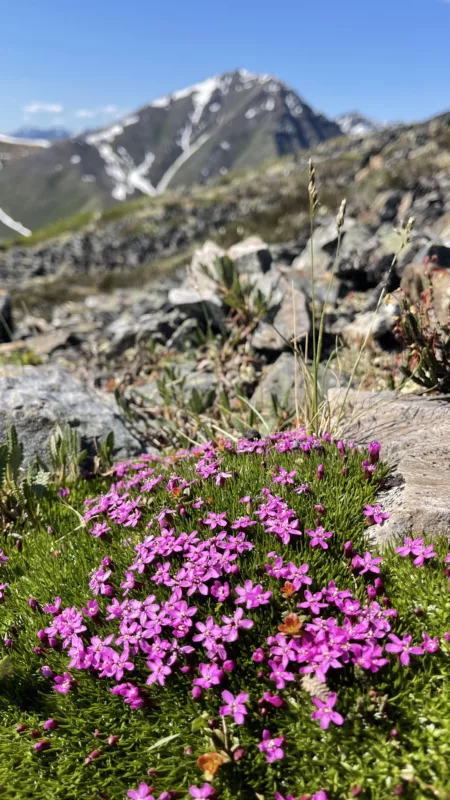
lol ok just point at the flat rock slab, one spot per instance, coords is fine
(35, 400)
(415, 434)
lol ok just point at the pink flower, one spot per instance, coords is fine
(221, 477)
(374, 514)
(429, 644)
(142, 793)
(416, 547)
(374, 452)
(366, 564)
(64, 683)
(234, 624)
(319, 536)
(325, 712)
(283, 477)
(312, 602)
(206, 791)
(279, 674)
(235, 706)
(403, 648)
(272, 747)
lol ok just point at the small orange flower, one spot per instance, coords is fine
(291, 625)
(209, 763)
(287, 590)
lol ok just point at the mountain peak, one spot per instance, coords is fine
(192, 135)
(353, 123)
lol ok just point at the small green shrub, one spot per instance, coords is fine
(426, 344)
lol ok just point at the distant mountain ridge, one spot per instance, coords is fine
(48, 134)
(233, 120)
(355, 124)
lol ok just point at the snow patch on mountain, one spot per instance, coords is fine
(107, 135)
(13, 224)
(136, 177)
(160, 102)
(185, 155)
(269, 105)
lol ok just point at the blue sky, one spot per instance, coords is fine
(81, 63)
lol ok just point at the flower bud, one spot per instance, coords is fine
(42, 636)
(229, 665)
(50, 725)
(47, 672)
(21, 728)
(348, 548)
(33, 603)
(93, 755)
(113, 740)
(259, 655)
(196, 693)
(239, 754)
(35, 733)
(44, 744)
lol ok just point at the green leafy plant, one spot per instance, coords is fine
(21, 491)
(66, 454)
(426, 343)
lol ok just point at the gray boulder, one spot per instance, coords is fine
(252, 255)
(380, 323)
(324, 243)
(35, 400)
(292, 319)
(415, 434)
(279, 379)
(203, 305)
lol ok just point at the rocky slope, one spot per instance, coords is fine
(13, 148)
(233, 120)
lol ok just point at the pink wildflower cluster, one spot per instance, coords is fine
(182, 606)
(417, 549)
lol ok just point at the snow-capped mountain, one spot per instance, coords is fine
(48, 134)
(355, 124)
(233, 120)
